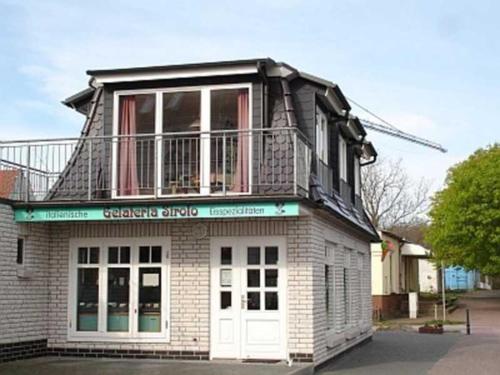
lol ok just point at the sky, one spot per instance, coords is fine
(430, 67)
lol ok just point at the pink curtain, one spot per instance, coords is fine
(127, 162)
(241, 173)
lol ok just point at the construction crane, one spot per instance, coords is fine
(389, 129)
(401, 134)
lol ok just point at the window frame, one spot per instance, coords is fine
(133, 335)
(342, 158)
(20, 254)
(357, 176)
(322, 133)
(205, 129)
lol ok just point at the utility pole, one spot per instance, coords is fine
(443, 291)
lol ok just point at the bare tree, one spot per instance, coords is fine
(390, 197)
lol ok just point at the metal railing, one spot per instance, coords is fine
(225, 162)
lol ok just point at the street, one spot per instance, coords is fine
(398, 352)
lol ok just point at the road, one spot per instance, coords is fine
(397, 352)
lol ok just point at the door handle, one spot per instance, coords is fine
(243, 301)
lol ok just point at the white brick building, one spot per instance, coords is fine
(208, 211)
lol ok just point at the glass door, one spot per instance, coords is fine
(248, 298)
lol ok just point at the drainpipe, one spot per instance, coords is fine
(265, 93)
(287, 98)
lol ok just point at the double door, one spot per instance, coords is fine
(248, 298)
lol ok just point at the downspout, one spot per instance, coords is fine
(265, 93)
(291, 119)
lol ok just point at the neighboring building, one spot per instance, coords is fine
(207, 211)
(424, 275)
(400, 267)
(388, 287)
(458, 278)
(11, 181)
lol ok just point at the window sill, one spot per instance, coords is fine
(119, 339)
(334, 339)
(23, 272)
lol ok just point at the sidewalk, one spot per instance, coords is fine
(478, 354)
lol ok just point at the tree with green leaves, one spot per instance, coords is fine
(465, 215)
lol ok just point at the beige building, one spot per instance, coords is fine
(402, 268)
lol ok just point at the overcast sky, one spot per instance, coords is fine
(432, 67)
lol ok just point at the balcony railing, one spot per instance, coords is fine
(226, 162)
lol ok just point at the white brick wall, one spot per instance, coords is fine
(347, 244)
(23, 301)
(39, 306)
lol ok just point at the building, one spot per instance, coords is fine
(388, 286)
(398, 268)
(458, 278)
(208, 210)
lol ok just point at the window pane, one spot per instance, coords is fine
(82, 255)
(113, 255)
(144, 254)
(149, 299)
(20, 251)
(226, 255)
(253, 278)
(271, 255)
(181, 164)
(225, 300)
(125, 255)
(87, 299)
(229, 110)
(271, 300)
(94, 255)
(253, 302)
(271, 278)
(118, 299)
(253, 255)
(156, 254)
(136, 154)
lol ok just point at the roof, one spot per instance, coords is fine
(347, 212)
(272, 69)
(151, 68)
(8, 180)
(415, 250)
(391, 234)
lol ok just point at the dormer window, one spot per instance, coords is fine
(357, 176)
(183, 140)
(321, 135)
(342, 158)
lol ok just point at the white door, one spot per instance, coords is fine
(248, 297)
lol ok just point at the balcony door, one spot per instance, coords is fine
(248, 298)
(182, 141)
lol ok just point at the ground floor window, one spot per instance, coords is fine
(119, 289)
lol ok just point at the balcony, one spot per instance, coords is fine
(168, 165)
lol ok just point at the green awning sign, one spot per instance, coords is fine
(157, 212)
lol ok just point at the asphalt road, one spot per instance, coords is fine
(398, 352)
(394, 352)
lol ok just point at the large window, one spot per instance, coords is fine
(321, 135)
(119, 289)
(182, 141)
(357, 176)
(342, 158)
(330, 286)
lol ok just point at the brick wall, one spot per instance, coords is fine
(190, 276)
(347, 245)
(42, 308)
(23, 300)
